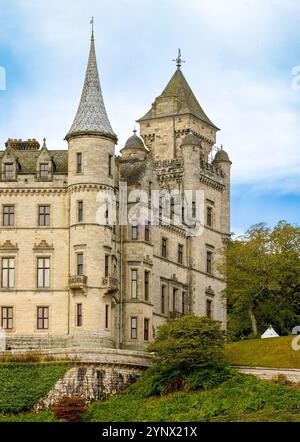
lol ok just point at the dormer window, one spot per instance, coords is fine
(8, 171)
(44, 170)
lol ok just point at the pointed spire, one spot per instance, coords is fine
(91, 117)
(177, 91)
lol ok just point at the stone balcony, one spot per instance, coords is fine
(110, 284)
(77, 282)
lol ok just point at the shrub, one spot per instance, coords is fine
(25, 357)
(182, 347)
(188, 343)
(70, 409)
(208, 378)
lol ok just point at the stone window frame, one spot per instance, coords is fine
(13, 257)
(41, 256)
(107, 317)
(14, 170)
(148, 298)
(44, 162)
(209, 307)
(184, 303)
(135, 337)
(110, 165)
(180, 254)
(45, 226)
(163, 298)
(132, 269)
(12, 318)
(134, 227)
(77, 163)
(146, 331)
(3, 214)
(164, 239)
(77, 253)
(106, 265)
(79, 314)
(80, 211)
(209, 259)
(209, 209)
(43, 306)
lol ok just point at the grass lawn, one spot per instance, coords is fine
(242, 398)
(23, 384)
(271, 352)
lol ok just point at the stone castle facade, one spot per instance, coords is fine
(67, 280)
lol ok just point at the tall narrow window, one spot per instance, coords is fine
(79, 264)
(44, 170)
(110, 158)
(106, 265)
(146, 329)
(8, 171)
(44, 215)
(194, 209)
(134, 230)
(107, 316)
(79, 162)
(80, 211)
(174, 300)
(79, 315)
(8, 215)
(7, 318)
(43, 272)
(209, 308)
(180, 254)
(163, 299)
(133, 327)
(147, 231)
(209, 214)
(134, 274)
(42, 318)
(183, 303)
(146, 283)
(8, 273)
(164, 246)
(208, 261)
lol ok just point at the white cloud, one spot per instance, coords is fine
(237, 67)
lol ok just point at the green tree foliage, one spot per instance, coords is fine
(181, 348)
(262, 271)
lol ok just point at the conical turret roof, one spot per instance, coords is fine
(91, 117)
(179, 90)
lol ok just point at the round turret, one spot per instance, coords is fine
(134, 148)
(221, 157)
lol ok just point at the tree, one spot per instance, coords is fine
(262, 272)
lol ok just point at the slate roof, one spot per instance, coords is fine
(91, 116)
(27, 160)
(179, 89)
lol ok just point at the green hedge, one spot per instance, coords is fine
(23, 384)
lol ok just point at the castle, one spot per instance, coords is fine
(68, 280)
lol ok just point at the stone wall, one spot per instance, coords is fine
(91, 382)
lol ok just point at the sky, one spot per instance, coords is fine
(242, 62)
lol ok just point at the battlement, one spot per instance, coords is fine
(19, 144)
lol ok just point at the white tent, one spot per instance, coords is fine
(270, 333)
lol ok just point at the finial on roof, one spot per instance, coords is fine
(92, 23)
(44, 143)
(179, 60)
(134, 130)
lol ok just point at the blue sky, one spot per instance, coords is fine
(239, 57)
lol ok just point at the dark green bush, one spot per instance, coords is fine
(208, 378)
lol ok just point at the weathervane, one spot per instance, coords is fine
(92, 23)
(179, 60)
